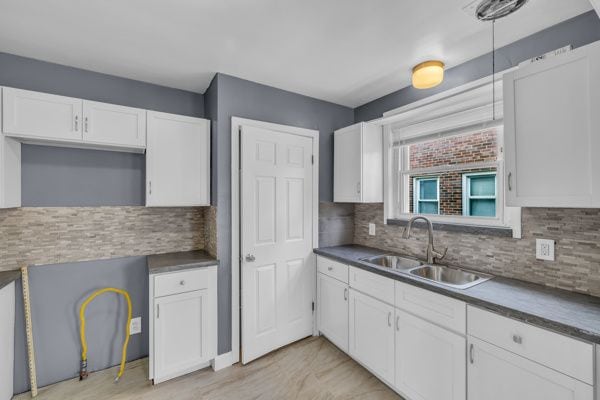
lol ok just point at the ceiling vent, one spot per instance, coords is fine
(490, 10)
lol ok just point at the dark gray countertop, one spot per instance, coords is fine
(7, 277)
(573, 314)
(168, 262)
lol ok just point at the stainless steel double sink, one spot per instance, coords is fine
(454, 277)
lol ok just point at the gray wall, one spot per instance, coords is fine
(54, 176)
(57, 292)
(578, 31)
(241, 98)
(64, 177)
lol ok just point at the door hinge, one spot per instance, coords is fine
(313, 306)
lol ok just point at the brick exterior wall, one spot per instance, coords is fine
(478, 147)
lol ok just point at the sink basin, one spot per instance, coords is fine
(393, 261)
(454, 277)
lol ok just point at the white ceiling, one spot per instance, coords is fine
(345, 51)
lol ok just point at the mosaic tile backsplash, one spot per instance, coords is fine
(49, 235)
(576, 231)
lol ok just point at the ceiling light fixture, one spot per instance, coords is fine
(428, 74)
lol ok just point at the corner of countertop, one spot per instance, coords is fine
(8, 277)
(180, 260)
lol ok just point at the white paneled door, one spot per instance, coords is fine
(277, 265)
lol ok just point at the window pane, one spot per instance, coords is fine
(428, 207)
(484, 185)
(483, 207)
(428, 189)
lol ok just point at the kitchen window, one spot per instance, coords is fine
(480, 195)
(427, 195)
(445, 160)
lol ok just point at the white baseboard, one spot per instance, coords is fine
(222, 361)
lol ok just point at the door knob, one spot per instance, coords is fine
(250, 258)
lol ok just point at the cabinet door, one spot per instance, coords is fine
(430, 361)
(114, 125)
(7, 340)
(41, 116)
(177, 160)
(496, 374)
(552, 131)
(347, 165)
(332, 308)
(371, 338)
(181, 334)
(10, 172)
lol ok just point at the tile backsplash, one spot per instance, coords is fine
(336, 224)
(49, 235)
(576, 232)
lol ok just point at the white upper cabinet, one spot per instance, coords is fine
(358, 164)
(552, 131)
(113, 125)
(10, 172)
(35, 115)
(177, 160)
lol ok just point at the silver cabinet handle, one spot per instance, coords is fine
(76, 123)
(250, 258)
(182, 283)
(149, 187)
(346, 294)
(157, 311)
(390, 319)
(329, 268)
(398, 323)
(517, 339)
(510, 181)
(358, 187)
(85, 124)
(471, 357)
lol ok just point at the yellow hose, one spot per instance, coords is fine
(83, 370)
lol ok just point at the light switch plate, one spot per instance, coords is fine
(544, 249)
(135, 326)
(371, 229)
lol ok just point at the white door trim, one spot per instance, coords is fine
(236, 123)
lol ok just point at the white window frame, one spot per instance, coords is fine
(466, 191)
(416, 190)
(465, 109)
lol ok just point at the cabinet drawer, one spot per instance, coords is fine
(181, 282)
(561, 353)
(436, 308)
(378, 286)
(333, 269)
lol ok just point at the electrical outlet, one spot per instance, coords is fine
(372, 229)
(135, 326)
(544, 249)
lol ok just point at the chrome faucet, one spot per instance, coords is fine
(432, 253)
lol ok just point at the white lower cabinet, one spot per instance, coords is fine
(497, 374)
(7, 340)
(332, 298)
(371, 339)
(430, 361)
(183, 335)
(428, 346)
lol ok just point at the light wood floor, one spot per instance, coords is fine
(310, 369)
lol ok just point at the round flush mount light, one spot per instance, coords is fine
(491, 10)
(428, 74)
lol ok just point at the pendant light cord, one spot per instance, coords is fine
(494, 69)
